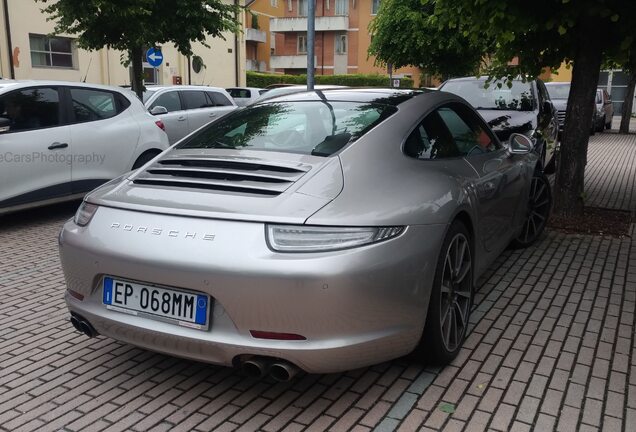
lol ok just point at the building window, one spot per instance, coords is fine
(342, 7)
(341, 44)
(375, 5)
(51, 51)
(302, 44)
(303, 8)
(273, 3)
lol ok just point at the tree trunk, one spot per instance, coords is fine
(626, 114)
(572, 157)
(137, 71)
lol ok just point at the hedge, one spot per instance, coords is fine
(262, 80)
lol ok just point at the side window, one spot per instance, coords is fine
(91, 105)
(431, 140)
(218, 99)
(194, 99)
(33, 108)
(169, 100)
(469, 135)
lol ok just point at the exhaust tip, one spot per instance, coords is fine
(87, 329)
(75, 322)
(255, 368)
(283, 372)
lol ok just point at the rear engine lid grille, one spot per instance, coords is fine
(230, 175)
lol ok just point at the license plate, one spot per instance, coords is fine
(164, 304)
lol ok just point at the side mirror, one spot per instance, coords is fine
(520, 144)
(5, 124)
(158, 110)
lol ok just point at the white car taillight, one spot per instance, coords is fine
(84, 213)
(298, 238)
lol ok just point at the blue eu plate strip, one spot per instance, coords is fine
(108, 291)
(202, 308)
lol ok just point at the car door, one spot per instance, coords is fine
(34, 149)
(104, 136)
(176, 119)
(200, 110)
(222, 104)
(501, 186)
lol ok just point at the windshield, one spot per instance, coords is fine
(148, 94)
(518, 97)
(558, 91)
(318, 128)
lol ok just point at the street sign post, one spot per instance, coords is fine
(154, 57)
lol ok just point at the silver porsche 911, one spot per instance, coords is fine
(321, 231)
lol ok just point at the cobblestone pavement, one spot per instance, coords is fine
(552, 346)
(610, 178)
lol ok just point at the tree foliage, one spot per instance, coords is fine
(522, 38)
(407, 32)
(130, 25)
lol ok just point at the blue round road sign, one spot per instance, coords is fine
(154, 57)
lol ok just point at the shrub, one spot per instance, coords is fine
(257, 79)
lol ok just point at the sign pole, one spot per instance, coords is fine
(311, 32)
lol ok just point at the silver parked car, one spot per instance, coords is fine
(321, 231)
(245, 95)
(604, 110)
(59, 140)
(184, 109)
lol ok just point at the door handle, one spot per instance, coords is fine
(182, 118)
(58, 145)
(212, 114)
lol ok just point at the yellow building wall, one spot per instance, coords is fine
(104, 66)
(265, 10)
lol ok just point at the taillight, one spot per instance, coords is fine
(160, 125)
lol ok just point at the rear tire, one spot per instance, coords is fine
(144, 158)
(537, 213)
(451, 298)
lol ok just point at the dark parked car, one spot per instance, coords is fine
(522, 107)
(559, 93)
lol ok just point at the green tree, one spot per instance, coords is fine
(542, 33)
(537, 34)
(131, 25)
(407, 32)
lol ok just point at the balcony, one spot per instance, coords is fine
(289, 62)
(299, 24)
(253, 35)
(255, 65)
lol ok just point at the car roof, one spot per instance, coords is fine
(27, 83)
(244, 88)
(479, 78)
(182, 87)
(388, 96)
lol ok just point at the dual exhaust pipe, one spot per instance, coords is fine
(83, 326)
(280, 370)
(255, 367)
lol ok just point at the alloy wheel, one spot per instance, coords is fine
(456, 292)
(538, 209)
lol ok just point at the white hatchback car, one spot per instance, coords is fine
(184, 109)
(59, 140)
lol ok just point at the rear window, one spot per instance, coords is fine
(239, 93)
(305, 127)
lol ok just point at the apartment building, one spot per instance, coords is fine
(341, 42)
(27, 51)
